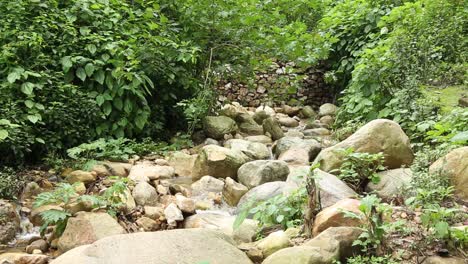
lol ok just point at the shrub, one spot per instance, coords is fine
(11, 183)
(358, 168)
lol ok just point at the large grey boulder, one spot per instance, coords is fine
(246, 232)
(271, 126)
(248, 125)
(232, 110)
(145, 194)
(338, 241)
(300, 255)
(328, 110)
(233, 192)
(218, 162)
(379, 135)
(391, 183)
(261, 193)
(331, 188)
(253, 150)
(257, 172)
(182, 246)
(454, 165)
(296, 151)
(217, 126)
(86, 228)
(207, 184)
(181, 162)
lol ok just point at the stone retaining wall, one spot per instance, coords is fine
(281, 85)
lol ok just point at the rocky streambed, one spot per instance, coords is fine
(181, 208)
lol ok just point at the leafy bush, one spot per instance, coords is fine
(358, 168)
(285, 210)
(75, 70)
(11, 183)
(413, 40)
(452, 128)
(371, 260)
(372, 238)
(65, 194)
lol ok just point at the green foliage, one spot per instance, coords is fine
(11, 183)
(452, 128)
(428, 188)
(112, 149)
(75, 70)
(285, 210)
(438, 221)
(359, 168)
(372, 211)
(413, 40)
(112, 200)
(371, 260)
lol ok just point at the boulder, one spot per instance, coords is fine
(271, 126)
(338, 241)
(334, 216)
(260, 116)
(23, 258)
(248, 125)
(185, 204)
(207, 184)
(86, 228)
(145, 194)
(332, 189)
(154, 212)
(296, 151)
(454, 165)
(327, 121)
(463, 101)
(173, 214)
(261, 193)
(232, 110)
(391, 183)
(233, 191)
(273, 242)
(316, 132)
(218, 162)
(39, 244)
(308, 112)
(259, 139)
(217, 126)
(296, 178)
(380, 135)
(268, 110)
(290, 110)
(85, 177)
(104, 169)
(181, 162)
(146, 172)
(246, 232)
(31, 190)
(211, 141)
(328, 110)
(288, 122)
(182, 246)
(257, 172)
(9, 222)
(253, 150)
(147, 224)
(300, 255)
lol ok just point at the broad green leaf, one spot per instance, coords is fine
(91, 48)
(66, 63)
(40, 140)
(107, 108)
(99, 76)
(100, 100)
(29, 103)
(89, 69)
(3, 134)
(13, 76)
(5, 122)
(118, 103)
(27, 88)
(80, 72)
(33, 118)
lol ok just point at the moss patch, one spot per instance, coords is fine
(446, 98)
